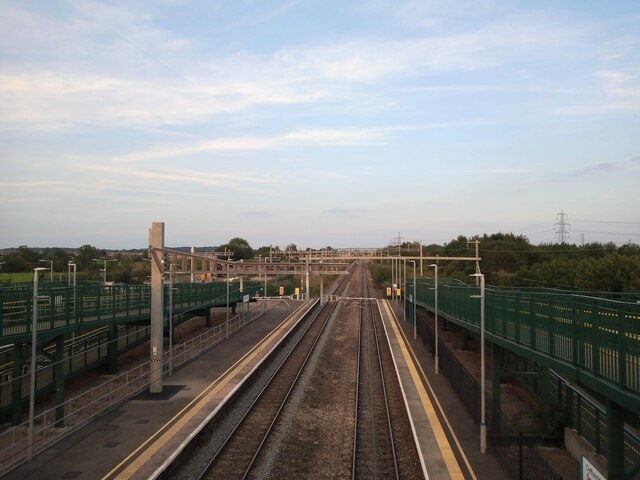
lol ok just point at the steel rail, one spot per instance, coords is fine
(369, 307)
(341, 286)
(384, 391)
(210, 464)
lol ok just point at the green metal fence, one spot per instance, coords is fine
(89, 306)
(598, 336)
(63, 309)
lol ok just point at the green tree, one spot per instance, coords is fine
(239, 247)
(85, 255)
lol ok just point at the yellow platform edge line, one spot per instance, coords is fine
(446, 451)
(239, 364)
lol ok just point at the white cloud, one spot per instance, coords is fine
(326, 137)
(22, 184)
(138, 79)
(182, 176)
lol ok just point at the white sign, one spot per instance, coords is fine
(588, 471)
(245, 299)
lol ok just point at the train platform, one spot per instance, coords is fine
(140, 437)
(136, 439)
(448, 439)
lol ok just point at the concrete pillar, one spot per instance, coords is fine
(156, 240)
(16, 384)
(58, 380)
(193, 276)
(241, 285)
(321, 290)
(307, 294)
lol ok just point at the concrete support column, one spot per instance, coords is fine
(241, 285)
(58, 380)
(321, 290)
(306, 291)
(615, 440)
(266, 293)
(16, 384)
(193, 266)
(112, 350)
(156, 240)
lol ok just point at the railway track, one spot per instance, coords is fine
(240, 450)
(303, 422)
(374, 453)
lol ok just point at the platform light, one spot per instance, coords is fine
(32, 373)
(50, 269)
(436, 357)
(483, 423)
(414, 299)
(104, 268)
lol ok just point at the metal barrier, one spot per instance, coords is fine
(65, 308)
(568, 332)
(589, 419)
(517, 454)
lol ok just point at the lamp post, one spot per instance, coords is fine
(227, 323)
(34, 339)
(51, 269)
(483, 423)
(414, 300)
(104, 268)
(71, 264)
(404, 283)
(171, 319)
(436, 357)
(393, 285)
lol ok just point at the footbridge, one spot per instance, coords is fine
(80, 327)
(592, 341)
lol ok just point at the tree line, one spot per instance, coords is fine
(124, 266)
(511, 260)
(507, 260)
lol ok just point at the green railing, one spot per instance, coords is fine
(63, 309)
(89, 307)
(593, 340)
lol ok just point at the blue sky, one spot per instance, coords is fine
(317, 123)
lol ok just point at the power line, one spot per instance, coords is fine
(603, 221)
(610, 233)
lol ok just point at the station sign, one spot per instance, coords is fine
(588, 471)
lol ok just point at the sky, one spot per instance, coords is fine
(317, 123)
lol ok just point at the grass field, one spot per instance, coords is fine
(16, 277)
